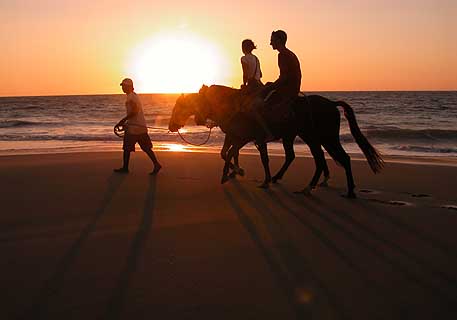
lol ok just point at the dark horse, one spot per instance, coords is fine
(315, 119)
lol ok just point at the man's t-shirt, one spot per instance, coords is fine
(136, 124)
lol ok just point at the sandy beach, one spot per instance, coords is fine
(80, 242)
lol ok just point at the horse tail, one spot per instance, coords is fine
(371, 154)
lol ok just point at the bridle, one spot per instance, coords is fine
(200, 116)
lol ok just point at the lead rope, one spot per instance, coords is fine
(119, 132)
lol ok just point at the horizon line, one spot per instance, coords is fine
(178, 93)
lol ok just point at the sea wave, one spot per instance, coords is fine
(62, 137)
(424, 149)
(194, 137)
(398, 134)
(19, 123)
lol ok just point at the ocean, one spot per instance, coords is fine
(413, 124)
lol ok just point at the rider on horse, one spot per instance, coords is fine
(273, 103)
(281, 93)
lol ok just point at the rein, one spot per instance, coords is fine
(206, 102)
(196, 144)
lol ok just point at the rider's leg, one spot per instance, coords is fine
(268, 136)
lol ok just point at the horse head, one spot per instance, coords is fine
(203, 107)
(193, 104)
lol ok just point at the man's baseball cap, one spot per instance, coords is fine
(127, 82)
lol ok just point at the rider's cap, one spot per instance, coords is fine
(127, 82)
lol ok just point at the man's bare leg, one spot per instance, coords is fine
(152, 156)
(125, 166)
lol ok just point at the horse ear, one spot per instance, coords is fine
(203, 89)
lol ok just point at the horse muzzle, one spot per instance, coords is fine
(174, 127)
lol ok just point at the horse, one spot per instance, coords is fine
(314, 118)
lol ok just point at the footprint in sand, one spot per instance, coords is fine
(399, 203)
(449, 206)
(417, 195)
(369, 191)
(391, 202)
(420, 195)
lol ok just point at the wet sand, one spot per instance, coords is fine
(80, 242)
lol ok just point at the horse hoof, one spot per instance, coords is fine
(264, 185)
(324, 183)
(275, 179)
(349, 195)
(224, 179)
(305, 191)
(240, 172)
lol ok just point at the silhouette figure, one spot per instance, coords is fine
(315, 119)
(281, 93)
(136, 129)
(252, 87)
(251, 66)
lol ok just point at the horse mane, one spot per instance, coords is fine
(222, 101)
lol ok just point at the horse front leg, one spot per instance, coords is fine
(235, 167)
(324, 182)
(228, 159)
(225, 148)
(266, 165)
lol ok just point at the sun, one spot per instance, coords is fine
(176, 62)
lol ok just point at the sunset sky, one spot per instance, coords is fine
(88, 46)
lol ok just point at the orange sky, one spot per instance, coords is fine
(83, 47)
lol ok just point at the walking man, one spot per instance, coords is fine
(136, 129)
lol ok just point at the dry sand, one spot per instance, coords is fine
(79, 242)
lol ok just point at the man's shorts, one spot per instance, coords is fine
(131, 139)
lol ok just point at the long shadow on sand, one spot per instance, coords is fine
(292, 270)
(423, 236)
(303, 217)
(331, 216)
(117, 300)
(383, 240)
(54, 284)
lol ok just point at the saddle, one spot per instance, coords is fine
(279, 110)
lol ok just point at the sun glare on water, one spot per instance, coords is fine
(175, 147)
(178, 62)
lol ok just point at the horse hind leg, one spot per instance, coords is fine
(288, 145)
(324, 182)
(319, 161)
(336, 151)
